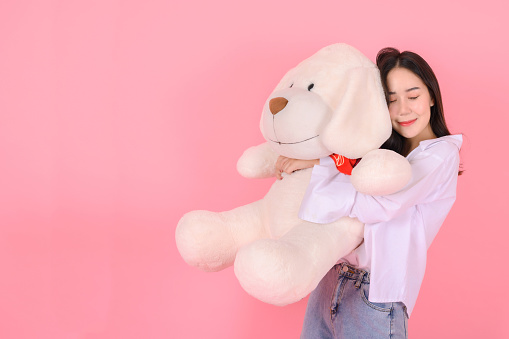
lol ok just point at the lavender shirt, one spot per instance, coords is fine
(399, 227)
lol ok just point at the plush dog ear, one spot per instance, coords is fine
(360, 121)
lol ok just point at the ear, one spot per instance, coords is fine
(360, 122)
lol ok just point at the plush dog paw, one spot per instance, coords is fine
(381, 172)
(273, 271)
(204, 241)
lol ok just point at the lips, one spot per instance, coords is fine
(407, 123)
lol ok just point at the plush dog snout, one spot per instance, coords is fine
(276, 105)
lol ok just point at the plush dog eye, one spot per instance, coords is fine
(291, 85)
(310, 87)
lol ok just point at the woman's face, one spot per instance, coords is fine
(409, 105)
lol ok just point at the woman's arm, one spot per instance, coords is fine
(289, 165)
(331, 195)
(434, 174)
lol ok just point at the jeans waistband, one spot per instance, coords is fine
(352, 272)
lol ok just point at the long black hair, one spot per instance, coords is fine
(389, 58)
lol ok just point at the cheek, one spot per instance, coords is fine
(422, 109)
(392, 112)
(422, 106)
(393, 117)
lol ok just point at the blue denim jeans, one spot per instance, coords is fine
(339, 308)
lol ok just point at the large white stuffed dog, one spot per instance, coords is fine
(332, 102)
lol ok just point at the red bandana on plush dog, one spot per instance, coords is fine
(343, 164)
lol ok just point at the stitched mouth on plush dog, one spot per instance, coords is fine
(292, 143)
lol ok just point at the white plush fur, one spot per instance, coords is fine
(277, 257)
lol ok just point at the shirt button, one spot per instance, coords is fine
(345, 268)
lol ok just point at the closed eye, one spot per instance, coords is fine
(413, 98)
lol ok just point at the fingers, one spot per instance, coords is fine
(289, 165)
(280, 165)
(280, 161)
(292, 167)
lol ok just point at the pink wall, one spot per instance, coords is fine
(105, 106)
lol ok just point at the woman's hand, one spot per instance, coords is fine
(289, 165)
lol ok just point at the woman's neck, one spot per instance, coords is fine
(413, 143)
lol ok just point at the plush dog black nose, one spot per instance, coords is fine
(276, 105)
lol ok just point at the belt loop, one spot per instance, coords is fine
(340, 268)
(359, 279)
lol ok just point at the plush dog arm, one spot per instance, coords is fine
(258, 162)
(381, 172)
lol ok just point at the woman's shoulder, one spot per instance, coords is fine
(444, 146)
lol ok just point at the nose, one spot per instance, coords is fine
(403, 108)
(276, 105)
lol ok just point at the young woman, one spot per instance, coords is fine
(372, 292)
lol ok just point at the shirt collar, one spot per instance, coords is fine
(456, 139)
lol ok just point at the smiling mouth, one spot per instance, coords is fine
(292, 143)
(407, 123)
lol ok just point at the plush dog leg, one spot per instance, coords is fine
(210, 240)
(286, 270)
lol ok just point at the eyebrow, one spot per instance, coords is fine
(408, 90)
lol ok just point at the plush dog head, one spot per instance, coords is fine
(332, 102)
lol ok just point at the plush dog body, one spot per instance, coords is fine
(332, 102)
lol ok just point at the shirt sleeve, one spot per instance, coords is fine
(329, 195)
(432, 169)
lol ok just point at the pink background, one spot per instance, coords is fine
(117, 117)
